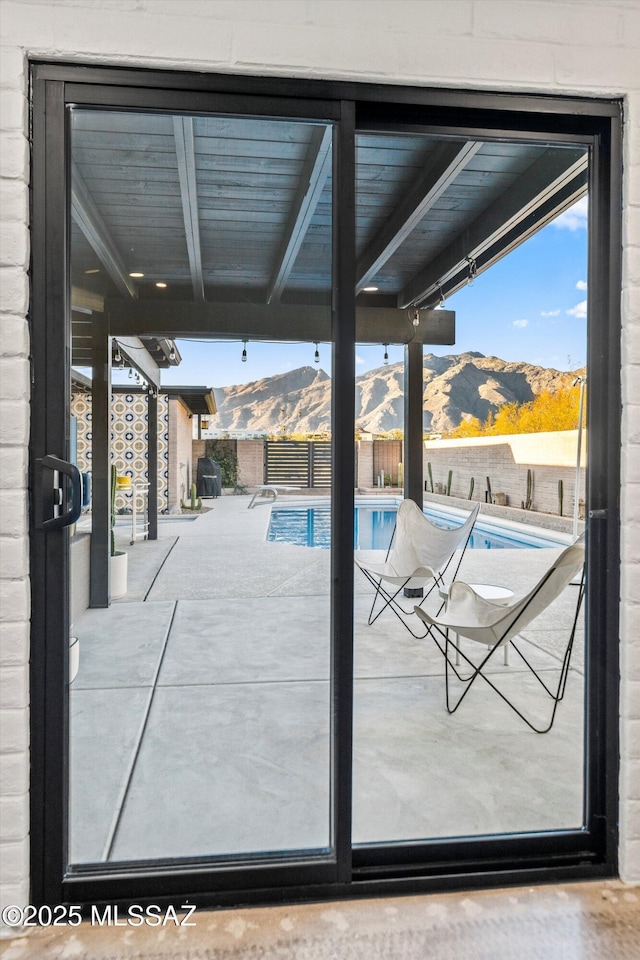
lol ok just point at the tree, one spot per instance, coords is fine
(546, 413)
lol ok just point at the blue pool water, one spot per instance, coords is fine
(311, 527)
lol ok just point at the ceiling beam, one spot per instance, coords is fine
(86, 214)
(312, 180)
(549, 175)
(440, 170)
(556, 205)
(86, 300)
(185, 153)
(280, 322)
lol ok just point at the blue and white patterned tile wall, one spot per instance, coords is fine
(129, 436)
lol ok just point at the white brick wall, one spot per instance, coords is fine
(548, 46)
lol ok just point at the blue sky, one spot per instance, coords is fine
(530, 306)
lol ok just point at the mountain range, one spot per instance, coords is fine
(456, 387)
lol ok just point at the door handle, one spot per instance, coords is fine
(49, 499)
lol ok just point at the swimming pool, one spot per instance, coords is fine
(310, 526)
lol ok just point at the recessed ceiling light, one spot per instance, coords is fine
(161, 285)
(136, 275)
(370, 289)
(92, 271)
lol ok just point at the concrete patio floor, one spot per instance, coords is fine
(200, 714)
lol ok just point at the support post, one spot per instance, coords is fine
(413, 417)
(413, 447)
(152, 464)
(100, 464)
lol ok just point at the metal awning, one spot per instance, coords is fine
(199, 401)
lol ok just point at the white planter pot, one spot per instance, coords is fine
(74, 658)
(118, 575)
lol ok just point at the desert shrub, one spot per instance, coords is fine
(224, 453)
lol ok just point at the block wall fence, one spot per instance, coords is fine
(506, 461)
(533, 46)
(466, 459)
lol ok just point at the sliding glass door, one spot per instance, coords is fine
(234, 282)
(497, 232)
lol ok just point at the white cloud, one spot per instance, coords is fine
(359, 359)
(550, 313)
(521, 323)
(581, 285)
(575, 218)
(579, 311)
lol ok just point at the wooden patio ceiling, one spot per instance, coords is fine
(234, 216)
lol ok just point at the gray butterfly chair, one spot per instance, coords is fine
(419, 554)
(468, 615)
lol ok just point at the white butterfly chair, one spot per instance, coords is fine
(420, 552)
(468, 615)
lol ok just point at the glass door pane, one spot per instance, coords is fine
(200, 722)
(497, 233)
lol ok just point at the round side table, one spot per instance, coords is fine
(487, 591)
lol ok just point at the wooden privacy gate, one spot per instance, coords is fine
(300, 463)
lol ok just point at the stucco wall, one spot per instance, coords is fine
(548, 46)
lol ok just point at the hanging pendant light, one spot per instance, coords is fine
(244, 351)
(386, 353)
(316, 356)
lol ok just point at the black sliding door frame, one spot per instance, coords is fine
(595, 845)
(102, 881)
(367, 870)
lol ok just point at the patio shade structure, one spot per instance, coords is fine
(221, 226)
(193, 191)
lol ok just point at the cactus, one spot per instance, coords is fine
(430, 476)
(196, 502)
(449, 478)
(560, 497)
(471, 486)
(529, 501)
(488, 497)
